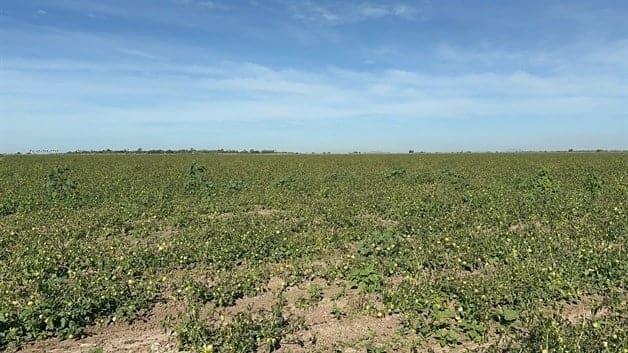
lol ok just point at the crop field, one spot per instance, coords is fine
(314, 253)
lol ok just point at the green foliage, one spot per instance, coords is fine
(226, 290)
(473, 247)
(554, 334)
(285, 182)
(473, 329)
(315, 292)
(236, 185)
(8, 206)
(506, 316)
(245, 333)
(59, 183)
(395, 173)
(366, 278)
(594, 183)
(197, 182)
(380, 244)
(544, 183)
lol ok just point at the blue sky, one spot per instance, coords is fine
(313, 75)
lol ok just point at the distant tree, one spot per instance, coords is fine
(411, 151)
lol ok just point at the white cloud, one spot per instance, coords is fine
(404, 11)
(138, 94)
(206, 4)
(139, 53)
(376, 11)
(212, 5)
(586, 57)
(310, 12)
(346, 13)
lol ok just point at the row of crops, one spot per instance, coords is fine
(479, 251)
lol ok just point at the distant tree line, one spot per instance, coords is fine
(171, 151)
(268, 151)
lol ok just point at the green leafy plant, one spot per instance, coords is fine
(8, 206)
(395, 173)
(197, 181)
(285, 182)
(245, 333)
(382, 244)
(366, 278)
(506, 316)
(60, 184)
(236, 185)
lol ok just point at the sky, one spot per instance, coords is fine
(338, 76)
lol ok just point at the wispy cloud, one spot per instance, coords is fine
(345, 12)
(240, 91)
(188, 63)
(399, 10)
(140, 54)
(109, 101)
(586, 57)
(205, 4)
